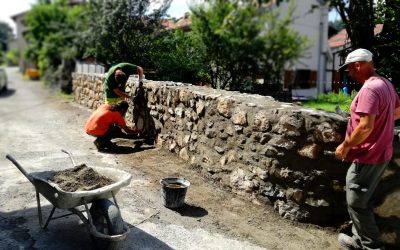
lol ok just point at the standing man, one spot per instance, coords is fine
(368, 145)
(115, 81)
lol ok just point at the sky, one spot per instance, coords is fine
(14, 7)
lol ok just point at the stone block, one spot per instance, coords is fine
(324, 132)
(200, 108)
(183, 153)
(261, 121)
(224, 107)
(239, 117)
(310, 151)
(289, 125)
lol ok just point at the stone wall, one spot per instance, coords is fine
(272, 152)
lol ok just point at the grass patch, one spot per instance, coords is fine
(330, 100)
(64, 96)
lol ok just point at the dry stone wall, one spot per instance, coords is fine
(272, 152)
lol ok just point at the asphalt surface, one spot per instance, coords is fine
(35, 125)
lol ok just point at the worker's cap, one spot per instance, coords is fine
(358, 55)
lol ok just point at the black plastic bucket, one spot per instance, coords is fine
(173, 191)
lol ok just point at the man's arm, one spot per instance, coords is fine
(129, 130)
(397, 113)
(140, 73)
(120, 93)
(360, 133)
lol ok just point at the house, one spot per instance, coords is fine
(306, 77)
(340, 46)
(19, 42)
(184, 23)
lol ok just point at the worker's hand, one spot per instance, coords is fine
(341, 152)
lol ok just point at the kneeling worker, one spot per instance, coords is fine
(106, 123)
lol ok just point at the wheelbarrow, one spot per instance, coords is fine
(103, 220)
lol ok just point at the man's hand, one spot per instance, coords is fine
(342, 151)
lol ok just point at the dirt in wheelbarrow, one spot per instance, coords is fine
(80, 178)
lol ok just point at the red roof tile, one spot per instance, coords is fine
(341, 38)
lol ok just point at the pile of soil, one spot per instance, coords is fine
(80, 178)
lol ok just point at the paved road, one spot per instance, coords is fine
(34, 126)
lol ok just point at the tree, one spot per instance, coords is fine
(387, 43)
(5, 35)
(179, 56)
(360, 18)
(243, 42)
(123, 30)
(53, 29)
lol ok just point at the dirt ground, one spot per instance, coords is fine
(37, 143)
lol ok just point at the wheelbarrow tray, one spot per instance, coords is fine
(67, 200)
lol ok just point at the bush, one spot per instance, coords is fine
(12, 57)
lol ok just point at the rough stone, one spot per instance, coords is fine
(210, 133)
(171, 111)
(172, 146)
(282, 142)
(238, 129)
(310, 151)
(200, 108)
(224, 136)
(239, 117)
(289, 125)
(179, 112)
(295, 194)
(230, 130)
(189, 126)
(272, 191)
(316, 202)
(242, 182)
(261, 122)
(224, 107)
(262, 174)
(183, 153)
(269, 151)
(219, 150)
(325, 133)
(291, 211)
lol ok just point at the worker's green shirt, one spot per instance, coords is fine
(110, 84)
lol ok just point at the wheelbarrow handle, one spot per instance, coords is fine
(70, 156)
(23, 171)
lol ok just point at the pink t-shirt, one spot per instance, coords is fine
(377, 96)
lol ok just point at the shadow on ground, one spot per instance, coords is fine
(7, 93)
(126, 149)
(191, 211)
(20, 230)
(139, 239)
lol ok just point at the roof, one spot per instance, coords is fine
(14, 17)
(341, 38)
(183, 23)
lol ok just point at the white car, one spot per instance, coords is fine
(3, 80)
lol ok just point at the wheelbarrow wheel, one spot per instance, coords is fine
(107, 220)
